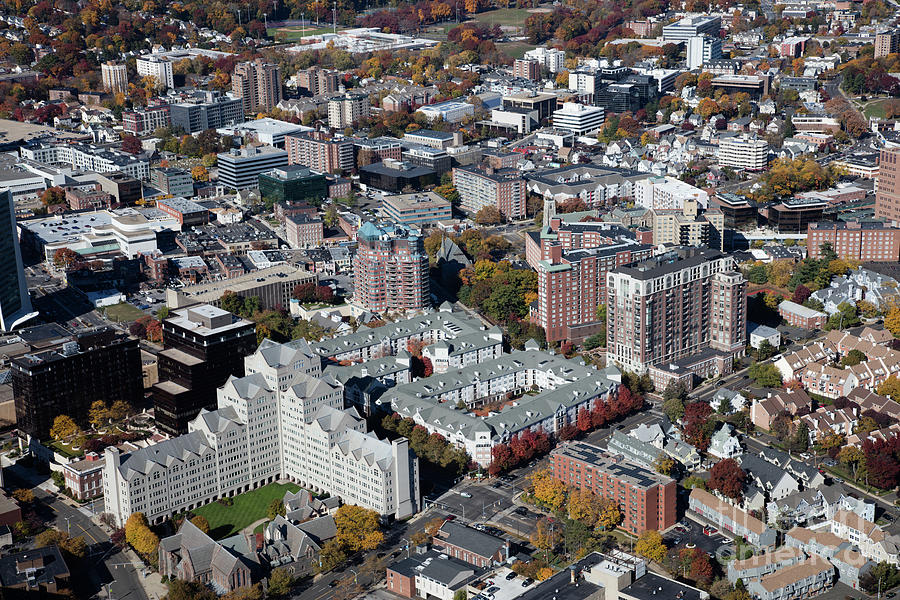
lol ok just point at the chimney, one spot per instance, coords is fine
(555, 254)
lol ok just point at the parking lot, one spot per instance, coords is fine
(689, 532)
(504, 585)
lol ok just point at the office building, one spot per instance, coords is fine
(317, 80)
(579, 118)
(293, 183)
(38, 572)
(146, 120)
(586, 82)
(320, 151)
(396, 176)
(158, 67)
(702, 49)
(202, 347)
(738, 211)
(84, 478)
(347, 110)
(15, 303)
(372, 150)
(857, 241)
(426, 156)
(303, 231)
(503, 189)
(745, 152)
(240, 168)
(675, 305)
(572, 260)
(629, 94)
(667, 193)
(550, 58)
(391, 269)
(887, 42)
(452, 111)
(646, 498)
(114, 77)
(693, 26)
(187, 212)
(422, 209)
(887, 194)
(544, 104)
(258, 85)
(210, 110)
(755, 85)
(282, 420)
(173, 182)
(527, 69)
(794, 215)
(435, 139)
(273, 286)
(65, 374)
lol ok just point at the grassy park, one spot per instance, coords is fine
(247, 508)
(123, 312)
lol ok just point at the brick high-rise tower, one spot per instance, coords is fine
(887, 198)
(258, 84)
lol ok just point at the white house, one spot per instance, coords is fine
(724, 443)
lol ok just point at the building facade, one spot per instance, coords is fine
(258, 85)
(240, 169)
(504, 190)
(674, 306)
(746, 153)
(15, 302)
(390, 269)
(158, 67)
(646, 498)
(320, 151)
(114, 77)
(346, 110)
(859, 241)
(147, 120)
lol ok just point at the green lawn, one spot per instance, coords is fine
(515, 49)
(123, 312)
(504, 16)
(247, 508)
(292, 34)
(875, 108)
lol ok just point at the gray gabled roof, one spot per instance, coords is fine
(164, 454)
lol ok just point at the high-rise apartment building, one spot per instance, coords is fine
(114, 77)
(203, 347)
(572, 260)
(346, 110)
(673, 306)
(15, 303)
(745, 152)
(258, 84)
(527, 69)
(320, 151)
(283, 420)
(887, 196)
(667, 193)
(317, 80)
(63, 376)
(503, 189)
(159, 67)
(887, 42)
(855, 240)
(692, 26)
(646, 498)
(551, 58)
(390, 271)
(691, 226)
(701, 49)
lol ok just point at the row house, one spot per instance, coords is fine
(805, 579)
(873, 542)
(791, 365)
(732, 519)
(827, 419)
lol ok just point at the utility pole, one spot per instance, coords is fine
(334, 16)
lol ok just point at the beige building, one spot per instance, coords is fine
(887, 42)
(744, 152)
(689, 226)
(346, 110)
(114, 77)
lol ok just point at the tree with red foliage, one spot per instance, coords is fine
(154, 330)
(801, 294)
(415, 347)
(305, 292)
(728, 477)
(567, 432)
(541, 443)
(522, 446)
(131, 144)
(502, 459)
(427, 367)
(882, 465)
(599, 413)
(325, 294)
(697, 425)
(583, 421)
(793, 385)
(701, 568)
(566, 348)
(571, 205)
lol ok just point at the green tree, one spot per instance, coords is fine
(674, 398)
(280, 582)
(488, 215)
(853, 358)
(765, 374)
(276, 508)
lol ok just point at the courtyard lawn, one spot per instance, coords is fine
(504, 16)
(515, 49)
(123, 312)
(248, 508)
(875, 108)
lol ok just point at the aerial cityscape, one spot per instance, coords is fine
(479, 300)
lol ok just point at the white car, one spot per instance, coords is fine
(465, 494)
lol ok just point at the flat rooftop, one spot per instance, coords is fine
(654, 587)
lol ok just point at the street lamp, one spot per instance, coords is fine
(355, 575)
(68, 529)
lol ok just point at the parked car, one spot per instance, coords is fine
(465, 494)
(511, 575)
(527, 582)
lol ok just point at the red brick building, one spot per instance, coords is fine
(646, 498)
(85, 477)
(875, 242)
(527, 69)
(303, 232)
(504, 190)
(89, 198)
(470, 545)
(801, 316)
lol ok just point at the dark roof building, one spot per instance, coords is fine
(38, 570)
